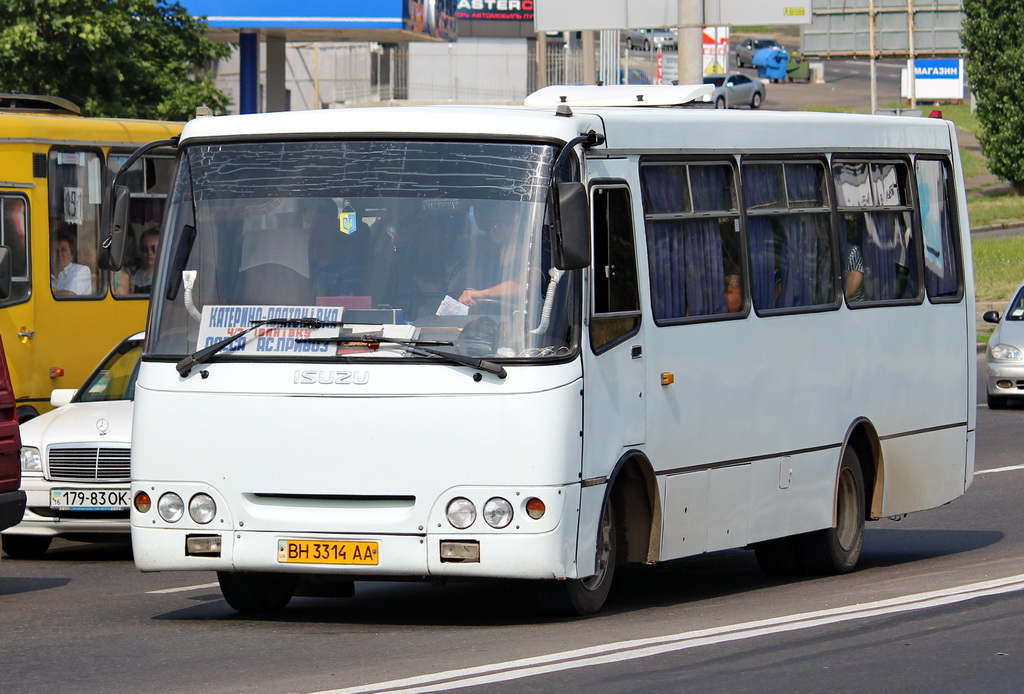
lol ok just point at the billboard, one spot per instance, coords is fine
(382, 20)
(582, 15)
(502, 10)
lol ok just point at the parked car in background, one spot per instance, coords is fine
(734, 90)
(1004, 358)
(633, 75)
(75, 460)
(745, 50)
(12, 497)
(648, 39)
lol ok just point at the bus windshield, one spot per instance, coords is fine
(442, 244)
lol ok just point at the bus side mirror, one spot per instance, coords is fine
(5, 273)
(571, 248)
(115, 221)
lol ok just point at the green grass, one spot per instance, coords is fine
(998, 267)
(974, 164)
(1000, 208)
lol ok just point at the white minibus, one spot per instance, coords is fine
(535, 342)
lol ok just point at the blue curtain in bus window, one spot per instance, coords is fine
(687, 268)
(764, 189)
(666, 252)
(806, 262)
(704, 267)
(664, 189)
(889, 271)
(711, 188)
(763, 261)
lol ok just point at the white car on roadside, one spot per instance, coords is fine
(75, 460)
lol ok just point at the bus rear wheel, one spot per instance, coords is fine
(585, 596)
(836, 550)
(257, 592)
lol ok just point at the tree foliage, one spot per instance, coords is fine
(117, 58)
(995, 68)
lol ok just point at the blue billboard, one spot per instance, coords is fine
(414, 18)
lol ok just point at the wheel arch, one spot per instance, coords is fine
(634, 495)
(863, 438)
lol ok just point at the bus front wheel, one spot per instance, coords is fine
(836, 550)
(257, 592)
(585, 596)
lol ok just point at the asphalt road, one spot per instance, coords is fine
(83, 619)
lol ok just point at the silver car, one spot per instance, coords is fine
(745, 50)
(735, 89)
(646, 39)
(1005, 354)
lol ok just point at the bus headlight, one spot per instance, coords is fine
(461, 513)
(202, 508)
(497, 512)
(1004, 352)
(31, 461)
(170, 507)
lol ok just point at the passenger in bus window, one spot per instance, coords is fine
(499, 222)
(142, 278)
(14, 224)
(68, 277)
(854, 287)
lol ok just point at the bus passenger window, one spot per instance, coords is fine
(75, 179)
(941, 259)
(693, 240)
(877, 233)
(789, 234)
(14, 235)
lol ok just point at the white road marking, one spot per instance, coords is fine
(999, 469)
(642, 648)
(183, 589)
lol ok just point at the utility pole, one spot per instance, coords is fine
(691, 41)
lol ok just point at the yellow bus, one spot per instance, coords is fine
(60, 312)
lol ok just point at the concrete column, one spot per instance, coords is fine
(691, 42)
(542, 60)
(277, 96)
(589, 61)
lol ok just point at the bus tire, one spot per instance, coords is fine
(25, 546)
(779, 557)
(257, 592)
(585, 596)
(836, 550)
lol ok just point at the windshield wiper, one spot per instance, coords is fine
(417, 346)
(203, 355)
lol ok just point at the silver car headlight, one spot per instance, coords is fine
(31, 461)
(1005, 352)
(461, 512)
(170, 507)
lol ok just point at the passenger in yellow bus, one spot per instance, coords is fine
(142, 278)
(68, 277)
(14, 235)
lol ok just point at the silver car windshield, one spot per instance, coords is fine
(445, 244)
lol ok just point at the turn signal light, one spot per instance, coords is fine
(142, 502)
(535, 508)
